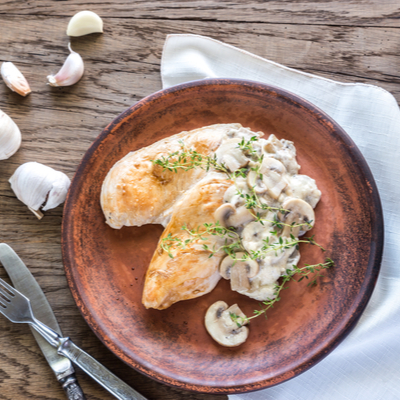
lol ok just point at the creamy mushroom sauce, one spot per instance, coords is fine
(281, 182)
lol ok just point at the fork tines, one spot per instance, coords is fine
(6, 291)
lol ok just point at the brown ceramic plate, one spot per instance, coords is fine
(105, 268)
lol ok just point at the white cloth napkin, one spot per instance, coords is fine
(366, 365)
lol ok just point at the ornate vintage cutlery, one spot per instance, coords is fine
(24, 281)
(17, 308)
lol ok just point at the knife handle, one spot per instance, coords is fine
(97, 371)
(72, 388)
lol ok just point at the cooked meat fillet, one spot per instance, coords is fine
(136, 192)
(190, 273)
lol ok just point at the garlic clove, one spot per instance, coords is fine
(70, 72)
(58, 191)
(14, 79)
(10, 136)
(36, 184)
(84, 23)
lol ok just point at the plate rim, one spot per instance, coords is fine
(366, 289)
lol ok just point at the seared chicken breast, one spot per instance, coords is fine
(137, 192)
(191, 272)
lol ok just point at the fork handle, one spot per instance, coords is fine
(72, 388)
(97, 371)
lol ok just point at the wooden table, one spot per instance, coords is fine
(354, 41)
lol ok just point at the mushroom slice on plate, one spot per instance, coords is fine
(254, 234)
(230, 154)
(270, 178)
(239, 271)
(298, 218)
(228, 215)
(241, 217)
(223, 213)
(233, 196)
(284, 151)
(222, 328)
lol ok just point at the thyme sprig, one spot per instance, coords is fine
(283, 243)
(303, 272)
(247, 148)
(277, 223)
(252, 201)
(232, 243)
(187, 159)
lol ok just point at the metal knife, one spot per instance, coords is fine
(24, 281)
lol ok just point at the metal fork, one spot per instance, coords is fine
(17, 308)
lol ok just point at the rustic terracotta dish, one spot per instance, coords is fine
(105, 268)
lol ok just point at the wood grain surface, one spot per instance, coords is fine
(351, 41)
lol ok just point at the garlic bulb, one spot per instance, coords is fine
(10, 136)
(14, 79)
(35, 184)
(70, 72)
(83, 23)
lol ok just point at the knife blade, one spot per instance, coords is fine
(24, 281)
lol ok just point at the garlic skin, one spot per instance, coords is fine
(70, 73)
(34, 184)
(14, 79)
(84, 23)
(10, 136)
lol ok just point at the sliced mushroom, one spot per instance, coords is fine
(269, 148)
(256, 181)
(239, 272)
(263, 285)
(242, 216)
(230, 216)
(223, 213)
(230, 154)
(284, 151)
(298, 212)
(231, 196)
(270, 178)
(230, 193)
(222, 328)
(254, 234)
